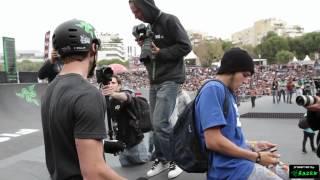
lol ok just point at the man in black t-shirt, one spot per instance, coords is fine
(72, 110)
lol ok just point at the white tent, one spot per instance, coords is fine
(307, 58)
(307, 61)
(193, 57)
(294, 61)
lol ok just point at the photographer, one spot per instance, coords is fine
(166, 72)
(135, 151)
(72, 110)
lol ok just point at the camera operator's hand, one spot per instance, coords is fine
(155, 49)
(269, 158)
(140, 42)
(107, 90)
(316, 106)
(54, 56)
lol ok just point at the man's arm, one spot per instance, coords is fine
(121, 96)
(316, 106)
(182, 44)
(92, 164)
(46, 70)
(215, 141)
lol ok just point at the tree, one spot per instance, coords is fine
(29, 66)
(312, 42)
(226, 45)
(209, 51)
(271, 46)
(251, 50)
(283, 56)
(296, 45)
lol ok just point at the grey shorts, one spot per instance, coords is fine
(263, 173)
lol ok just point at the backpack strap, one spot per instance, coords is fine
(225, 102)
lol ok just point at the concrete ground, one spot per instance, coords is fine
(22, 150)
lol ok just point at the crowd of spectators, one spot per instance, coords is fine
(261, 80)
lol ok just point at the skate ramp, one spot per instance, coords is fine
(22, 155)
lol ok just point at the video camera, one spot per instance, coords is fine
(104, 75)
(113, 146)
(144, 33)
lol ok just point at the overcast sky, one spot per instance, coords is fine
(28, 20)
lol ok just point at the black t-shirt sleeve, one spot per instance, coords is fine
(89, 116)
(47, 71)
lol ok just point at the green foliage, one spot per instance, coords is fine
(312, 42)
(226, 45)
(29, 66)
(296, 45)
(113, 61)
(251, 50)
(270, 46)
(283, 56)
(209, 52)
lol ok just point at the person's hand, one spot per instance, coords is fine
(54, 56)
(155, 49)
(269, 158)
(316, 106)
(263, 145)
(139, 42)
(107, 90)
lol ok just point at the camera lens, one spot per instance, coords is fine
(300, 100)
(305, 100)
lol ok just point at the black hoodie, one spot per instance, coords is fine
(171, 38)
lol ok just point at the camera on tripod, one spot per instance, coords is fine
(144, 33)
(104, 75)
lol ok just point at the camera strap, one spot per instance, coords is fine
(110, 127)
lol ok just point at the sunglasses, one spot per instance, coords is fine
(246, 74)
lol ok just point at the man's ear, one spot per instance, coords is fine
(94, 49)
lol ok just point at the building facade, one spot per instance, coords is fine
(112, 47)
(253, 35)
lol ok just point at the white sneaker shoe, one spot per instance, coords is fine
(157, 168)
(174, 170)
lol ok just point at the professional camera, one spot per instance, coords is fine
(306, 100)
(144, 33)
(113, 146)
(317, 85)
(104, 75)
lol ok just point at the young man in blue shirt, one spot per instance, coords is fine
(222, 136)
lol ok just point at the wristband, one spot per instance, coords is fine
(258, 158)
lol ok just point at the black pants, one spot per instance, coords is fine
(253, 101)
(284, 95)
(307, 135)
